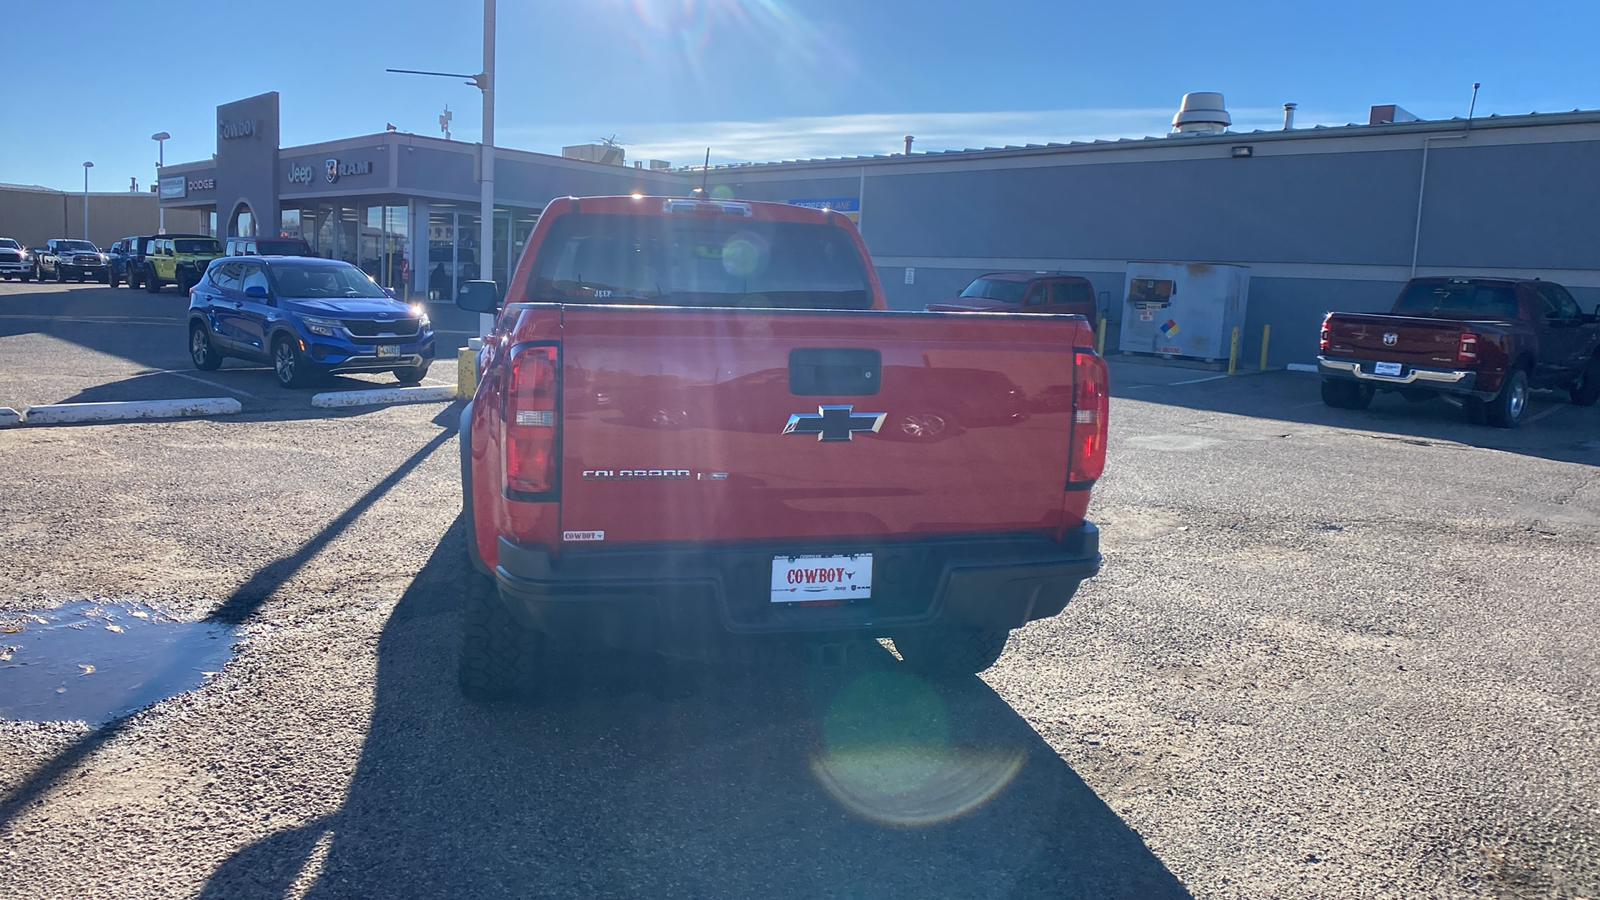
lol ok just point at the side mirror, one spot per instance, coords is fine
(256, 292)
(479, 297)
(390, 292)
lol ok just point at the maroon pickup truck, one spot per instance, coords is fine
(1024, 292)
(1482, 343)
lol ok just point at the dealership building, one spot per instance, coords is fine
(1326, 218)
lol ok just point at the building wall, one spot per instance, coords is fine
(1325, 222)
(33, 217)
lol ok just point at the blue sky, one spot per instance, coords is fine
(758, 79)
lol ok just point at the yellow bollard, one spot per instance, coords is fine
(1233, 352)
(1100, 336)
(466, 373)
(1266, 335)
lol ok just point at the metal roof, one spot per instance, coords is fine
(1455, 123)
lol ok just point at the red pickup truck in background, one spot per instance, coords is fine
(1026, 292)
(1481, 342)
(697, 425)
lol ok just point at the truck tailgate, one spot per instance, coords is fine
(1405, 339)
(698, 425)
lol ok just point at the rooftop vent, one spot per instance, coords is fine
(1202, 112)
(1389, 114)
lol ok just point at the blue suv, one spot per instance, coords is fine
(304, 317)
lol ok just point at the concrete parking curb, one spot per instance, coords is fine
(337, 399)
(1301, 367)
(70, 413)
(9, 416)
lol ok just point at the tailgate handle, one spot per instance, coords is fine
(834, 372)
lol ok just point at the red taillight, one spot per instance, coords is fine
(532, 425)
(1091, 407)
(1327, 333)
(1467, 350)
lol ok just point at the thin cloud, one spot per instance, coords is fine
(865, 134)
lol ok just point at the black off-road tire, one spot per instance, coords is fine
(61, 275)
(1587, 390)
(951, 653)
(499, 656)
(1510, 406)
(113, 280)
(412, 375)
(201, 352)
(134, 281)
(1341, 394)
(152, 284)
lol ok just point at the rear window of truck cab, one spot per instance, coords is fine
(725, 261)
(1459, 300)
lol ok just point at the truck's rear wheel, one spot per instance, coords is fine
(1587, 390)
(953, 652)
(500, 657)
(1346, 394)
(1511, 404)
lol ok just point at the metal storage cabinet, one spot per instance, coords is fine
(1183, 309)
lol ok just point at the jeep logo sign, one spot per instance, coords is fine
(301, 174)
(240, 128)
(336, 169)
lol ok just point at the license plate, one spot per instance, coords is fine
(386, 350)
(796, 579)
(1383, 368)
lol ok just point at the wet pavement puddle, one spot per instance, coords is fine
(95, 660)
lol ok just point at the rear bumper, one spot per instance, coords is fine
(684, 599)
(1445, 381)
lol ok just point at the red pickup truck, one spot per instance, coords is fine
(1482, 343)
(696, 426)
(1026, 292)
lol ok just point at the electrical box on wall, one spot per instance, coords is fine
(1183, 309)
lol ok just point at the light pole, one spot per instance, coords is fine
(86, 167)
(483, 81)
(161, 138)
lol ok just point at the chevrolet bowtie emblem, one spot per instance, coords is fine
(834, 423)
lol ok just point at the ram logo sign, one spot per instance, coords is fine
(336, 169)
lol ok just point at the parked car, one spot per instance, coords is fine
(14, 261)
(179, 259)
(242, 246)
(66, 258)
(1026, 292)
(779, 508)
(305, 317)
(125, 261)
(1482, 342)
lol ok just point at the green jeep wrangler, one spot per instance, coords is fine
(178, 259)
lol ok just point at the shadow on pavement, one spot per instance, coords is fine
(238, 608)
(1554, 429)
(783, 782)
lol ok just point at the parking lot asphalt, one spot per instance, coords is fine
(1332, 654)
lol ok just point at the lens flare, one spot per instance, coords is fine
(887, 755)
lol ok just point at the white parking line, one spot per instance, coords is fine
(1304, 405)
(231, 390)
(1195, 380)
(1535, 418)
